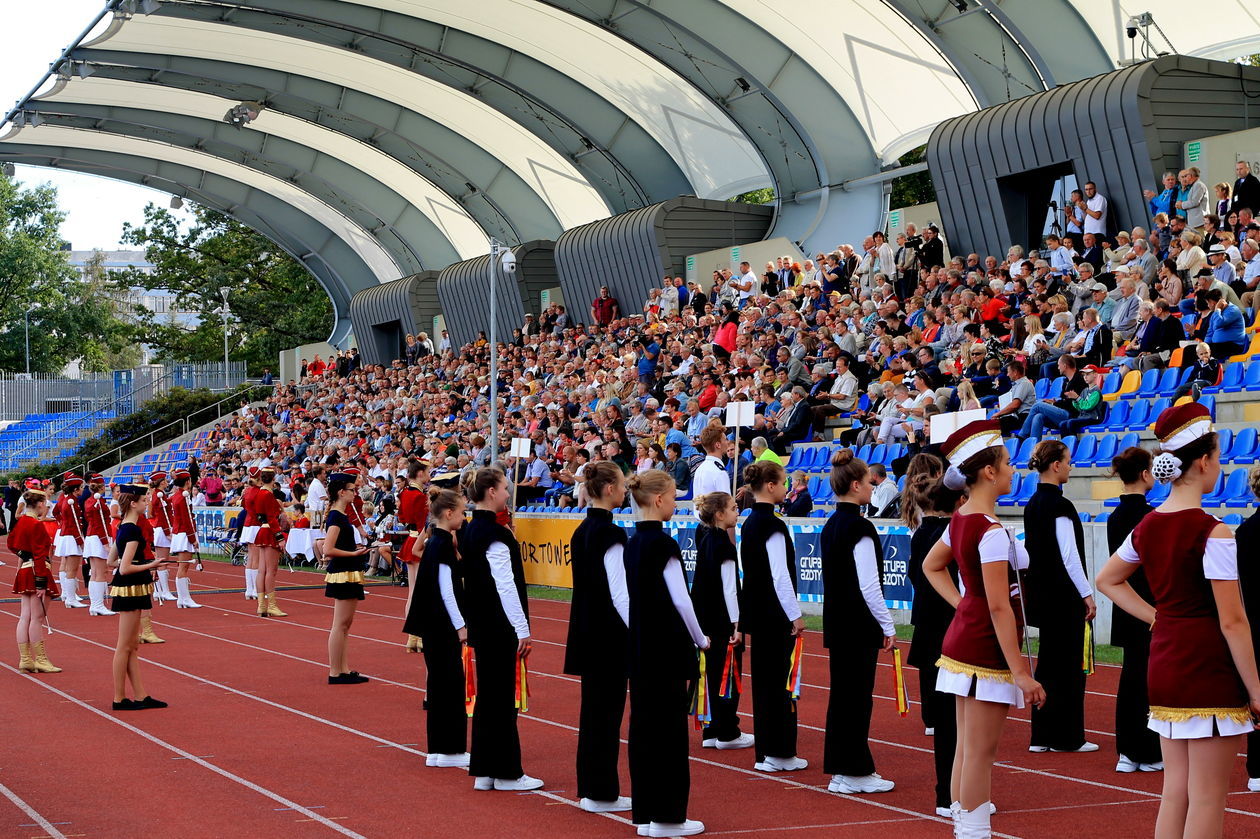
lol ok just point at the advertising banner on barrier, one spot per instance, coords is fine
(545, 551)
(208, 519)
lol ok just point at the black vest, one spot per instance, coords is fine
(486, 619)
(427, 616)
(660, 644)
(1132, 509)
(1052, 598)
(597, 637)
(847, 620)
(759, 608)
(929, 609)
(707, 591)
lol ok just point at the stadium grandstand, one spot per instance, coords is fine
(537, 262)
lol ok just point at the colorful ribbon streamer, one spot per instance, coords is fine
(522, 685)
(794, 672)
(732, 682)
(700, 707)
(1088, 658)
(899, 684)
(470, 681)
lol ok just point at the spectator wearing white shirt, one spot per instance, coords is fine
(745, 284)
(883, 491)
(1192, 198)
(885, 257)
(711, 475)
(1094, 209)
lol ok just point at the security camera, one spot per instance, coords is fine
(508, 262)
(1131, 28)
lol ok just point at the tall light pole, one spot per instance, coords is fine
(500, 255)
(27, 317)
(225, 313)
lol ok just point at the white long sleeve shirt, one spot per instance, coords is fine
(501, 569)
(1066, 534)
(868, 573)
(776, 549)
(446, 587)
(615, 570)
(730, 589)
(676, 583)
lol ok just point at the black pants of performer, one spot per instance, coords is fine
(1060, 723)
(774, 712)
(446, 722)
(1133, 739)
(944, 722)
(725, 724)
(496, 744)
(1253, 754)
(660, 777)
(599, 735)
(846, 748)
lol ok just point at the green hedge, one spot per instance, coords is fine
(132, 431)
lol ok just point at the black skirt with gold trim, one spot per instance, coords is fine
(131, 592)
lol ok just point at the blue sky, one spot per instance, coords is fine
(96, 207)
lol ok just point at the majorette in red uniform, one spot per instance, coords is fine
(29, 539)
(183, 538)
(249, 533)
(413, 511)
(268, 514)
(96, 545)
(354, 512)
(69, 545)
(160, 521)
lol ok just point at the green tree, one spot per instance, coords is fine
(276, 304)
(67, 319)
(756, 196)
(909, 190)
(114, 350)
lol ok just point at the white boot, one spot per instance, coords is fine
(96, 594)
(71, 595)
(974, 824)
(251, 584)
(185, 600)
(164, 585)
(65, 588)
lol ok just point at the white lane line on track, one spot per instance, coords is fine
(31, 812)
(250, 785)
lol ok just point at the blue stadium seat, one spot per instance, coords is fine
(1111, 382)
(1224, 439)
(1169, 381)
(1103, 516)
(1026, 491)
(1158, 494)
(1017, 482)
(1106, 450)
(1237, 491)
(878, 453)
(1070, 442)
(1084, 517)
(1244, 448)
(864, 453)
(794, 459)
(1012, 446)
(1232, 518)
(1231, 381)
(1208, 402)
(1148, 388)
(1025, 452)
(1056, 388)
(1139, 415)
(1086, 445)
(824, 494)
(1041, 388)
(1116, 418)
(1251, 378)
(818, 514)
(1216, 497)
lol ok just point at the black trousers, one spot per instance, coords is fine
(944, 722)
(1060, 722)
(846, 749)
(1133, 739)
(496, 744)
(1253, 754)
(660, 776)
(774, 712)
(446, 721)
(725, 724)
(599, 735)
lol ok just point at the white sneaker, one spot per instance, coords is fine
(743, 741)
(929, 732)
(483, 783)
(1158, 766)
(781, 764)
(1126, 765)
(1038, 749)
(709, 743)
(852, 784)
(642, 829)
(1085, 747)
(688, 828)
(590, 805)
(521, 784)
(459, 761)
(1253, 785)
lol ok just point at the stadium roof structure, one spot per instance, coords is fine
(376, 139)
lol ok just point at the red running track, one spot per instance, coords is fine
(256, 743)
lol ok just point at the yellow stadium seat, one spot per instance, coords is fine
(1129, 384)
(1250, 351)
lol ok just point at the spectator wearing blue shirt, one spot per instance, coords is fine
(650, 353)
(1163, 202)
(1227, 332)
(696, 419)
(673, 435)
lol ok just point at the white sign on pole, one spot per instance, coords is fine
(944, 425)
(520, 447)
(740, 414)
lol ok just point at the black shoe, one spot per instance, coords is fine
(128, 705)
(347, 679)
(150, 702)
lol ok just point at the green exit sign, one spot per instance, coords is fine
(1194, 151)
(894, 219)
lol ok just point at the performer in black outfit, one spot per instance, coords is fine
(1136, 744)
(771, 614)
(434, 615)
(343, 581)
(926, 507)
(1060, 602)
(498, 629)
(856, 626)
(132, 590)
(596, 649)
(664, 635)
(1248, 536)
(715, 594)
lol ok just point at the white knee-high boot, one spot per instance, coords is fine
(96, 594)
(163, 591)
(251, 583)
(974, 824)
(70, 593)
(185, 600)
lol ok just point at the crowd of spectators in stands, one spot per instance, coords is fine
(888, 334)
